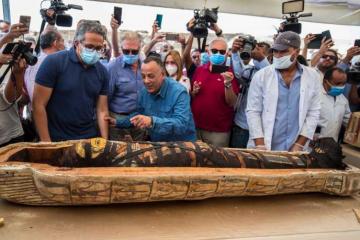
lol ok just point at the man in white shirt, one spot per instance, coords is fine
(283, 106)
(335, 110)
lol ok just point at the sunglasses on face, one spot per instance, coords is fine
(329, 56)
(130, 51)
(215, 51)
(194, 57)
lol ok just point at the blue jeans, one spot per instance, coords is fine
(239, 137)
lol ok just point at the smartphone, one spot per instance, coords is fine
(172, 36)
(26, 21)
(357, 43)
(118, 14)
(158, 19)
(316, 43)
(219, 68)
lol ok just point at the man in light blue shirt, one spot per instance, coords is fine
(125, 85)
(163, 107)
(244, 71)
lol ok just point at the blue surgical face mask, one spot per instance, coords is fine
(130, 59)
(217, 59)
(336, 91)
(89, 56)
(204, 58)
(282, 62)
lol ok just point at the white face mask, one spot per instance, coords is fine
(171, 69)
(282, 62)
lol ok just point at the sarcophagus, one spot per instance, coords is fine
(97, 171)
(352, 134)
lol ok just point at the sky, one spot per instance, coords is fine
(174, 20)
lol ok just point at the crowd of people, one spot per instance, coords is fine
(125, 90)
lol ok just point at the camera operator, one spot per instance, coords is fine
(245, 72)
(114, 36)
(51, 42)
(11, 91)
(125, 84)
(283, 106)
(71, 88)
(213, 97)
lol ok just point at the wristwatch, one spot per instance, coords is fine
(228, 85)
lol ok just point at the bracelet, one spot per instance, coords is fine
(218, 34)
(299, 145)
(228, 85)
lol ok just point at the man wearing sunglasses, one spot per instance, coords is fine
(283, 106)
(71, 89)
(214, 95)
(125, 84)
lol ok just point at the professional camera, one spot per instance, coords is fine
(292, 22)
(58, 17)
(21, 50)
(249, 45)
(203, 19)
(353, 75)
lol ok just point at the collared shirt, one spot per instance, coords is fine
(172, 119)
(76, 89)
(334, 113)
(30, 75)
(211, 112)
(124, 86)
(286, 125)
(246, 73)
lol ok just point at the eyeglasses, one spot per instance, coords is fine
(329, 56)
(215, 51)
(98, 49)
(130, 51)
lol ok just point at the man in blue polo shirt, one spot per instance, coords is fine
(71, 89)
(163, 106)
(125, 85)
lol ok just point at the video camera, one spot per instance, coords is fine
(249, 45)
(59, 17)
(353, 75)
(203, 20)
(292, 22)
(21, 50)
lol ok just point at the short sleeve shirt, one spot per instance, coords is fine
(71, 110)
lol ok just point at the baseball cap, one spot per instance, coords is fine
(285, 40)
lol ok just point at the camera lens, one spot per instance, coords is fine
(30, 58)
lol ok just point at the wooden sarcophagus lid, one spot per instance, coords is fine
(97, 171)
(352, 134)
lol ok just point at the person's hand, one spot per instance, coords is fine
(237, 45)
(5, 58)
(16, 30)
(181, 39)
(325, 45)
(110, 120)
(114, 23)
(159, 37)
(215, 28)
(351, 52)
(296, 148)
(141, 121)
(155, 27)
(228, 77)
(308, 38)
(19, 67)
(190, 24)
(196, 88)
(257, 54)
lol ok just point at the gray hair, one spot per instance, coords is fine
(218, 39)
(88, 27)
(48, 38)
(130, 35)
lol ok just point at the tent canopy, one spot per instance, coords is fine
(343, 12)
